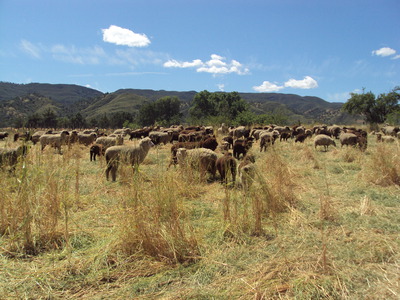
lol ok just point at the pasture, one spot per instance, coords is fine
(314, 225)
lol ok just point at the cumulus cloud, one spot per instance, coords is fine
(216, 65)
(221, 87)
(267, 86)
(125, 37)
(385, 51)
(30, 48)
(306, 83)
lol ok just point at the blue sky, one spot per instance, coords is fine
(310, 48)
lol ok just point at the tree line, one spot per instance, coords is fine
(213, 108)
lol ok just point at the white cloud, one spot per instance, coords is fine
(216, 65)
(176, 64)
(30, 48)
(125, 37)
(385, 51)
(396, 56)
(267, 86)
(221, 87)
(306, 83)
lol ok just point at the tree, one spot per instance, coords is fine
(165, 111)
(374, 109)
(226, 105)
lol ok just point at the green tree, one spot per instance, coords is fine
(49, 119)
(374, 109)
(165, 111)
(227, 105)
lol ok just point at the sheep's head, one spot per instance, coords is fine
(147, 142)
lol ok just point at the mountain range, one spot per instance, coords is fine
(23, 100)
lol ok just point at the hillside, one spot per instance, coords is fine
(23, 100)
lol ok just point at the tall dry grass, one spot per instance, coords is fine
(382, 167)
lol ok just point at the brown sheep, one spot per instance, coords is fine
(96, 150)
(9, 156)
(226, 165)
(323, 140)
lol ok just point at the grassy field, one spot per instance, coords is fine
(314, 225)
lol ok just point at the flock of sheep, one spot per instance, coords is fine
(193, 147)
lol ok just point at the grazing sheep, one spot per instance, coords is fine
(351, 139)
(247, 172)
(134, 155)
(96, 149)
(201, 159)
(210, 143)
(54, 140)
(73, 137)
(36, 136)
(9, 156)
(390, 130)
(123, 131)
(107, 141)
(348, 139)
(385, 138)
(301, 138)
(86, 139)
(241, 147)
(323, 140)
(3, 135)
(226, 164)
(267, 138)
(158, 137)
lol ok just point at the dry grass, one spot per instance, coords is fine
(313, 225)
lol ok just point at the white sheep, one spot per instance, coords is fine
(107, 141)
(201, 159)
(54, 140)
(86, 139)
(323, 140)
(133, 155)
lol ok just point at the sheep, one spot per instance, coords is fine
(158, 137)
(210, 143)
(267, 138)
(86, 139)
(3, 135)
(390, 130)
(229, 140)
(134, 155)
(9, 156)
(241, 147)
(55, 140)
(202, 159)
(107, 141)
(226, 164)
(323, 140)
(96, 149)
(123, 131)
(300, 138)
(247, 172)
(351, 139)
(36, 136)
(385, 138)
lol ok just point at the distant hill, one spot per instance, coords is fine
(22, 100)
